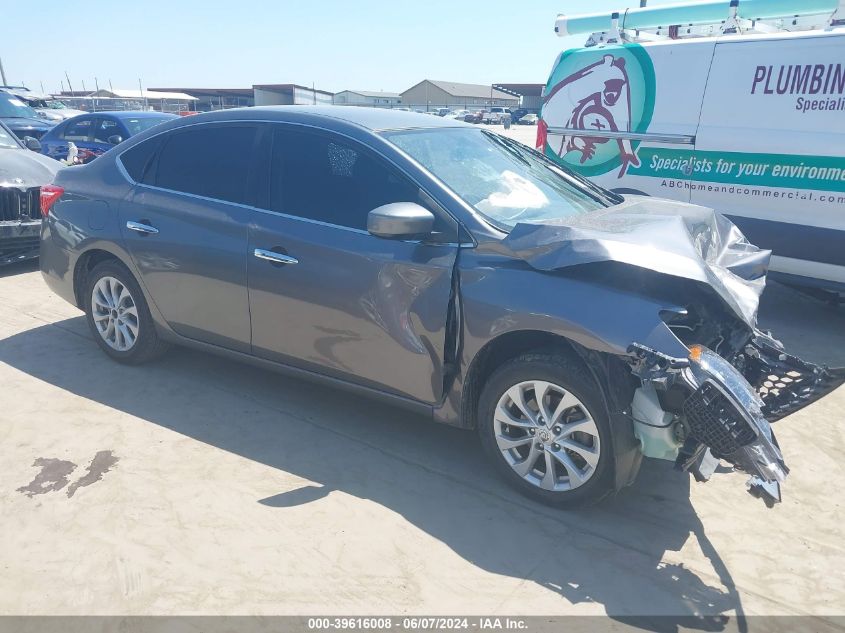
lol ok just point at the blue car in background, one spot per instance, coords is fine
(97, 132)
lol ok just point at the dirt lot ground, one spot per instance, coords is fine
(197, 485)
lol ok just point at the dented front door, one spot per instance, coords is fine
(326, 295)
(353, 305)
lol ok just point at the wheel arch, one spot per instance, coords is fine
(85, 263)
(502, 349)
(612, 377)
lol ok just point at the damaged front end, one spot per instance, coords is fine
(711, 390)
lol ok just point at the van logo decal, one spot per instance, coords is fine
(611, 89)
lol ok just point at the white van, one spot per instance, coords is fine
(738, 114)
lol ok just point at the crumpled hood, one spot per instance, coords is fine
(24, 168)
(665, 236)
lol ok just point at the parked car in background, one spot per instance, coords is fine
(496, 114)
(517, 114)
(472, 280)
(458, 115)
(528, 119)
(97, 132)
(475, 117)
(22, 173)
(20, 118)
(48, 107)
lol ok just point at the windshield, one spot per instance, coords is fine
(134, 126)
(55, 104)
(7, 141)
(504, 180)
(12, 107)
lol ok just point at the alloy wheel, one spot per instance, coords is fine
(547, 435)
(115, 313)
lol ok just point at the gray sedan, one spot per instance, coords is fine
(442, 268)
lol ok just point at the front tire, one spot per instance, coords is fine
(543, 424)
(118, 315)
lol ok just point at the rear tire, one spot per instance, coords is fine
(118, 315)
(568, 437)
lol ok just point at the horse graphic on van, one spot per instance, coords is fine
(595, 97)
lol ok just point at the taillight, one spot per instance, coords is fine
(49, 195)
(542, 134)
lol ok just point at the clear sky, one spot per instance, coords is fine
(334, 44)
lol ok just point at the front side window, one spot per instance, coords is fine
(325, 178)
(79, 130)
(502, 179)
(208, 161)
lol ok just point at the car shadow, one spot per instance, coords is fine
(18, 268)
(434, 476)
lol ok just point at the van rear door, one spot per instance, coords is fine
(772, 131)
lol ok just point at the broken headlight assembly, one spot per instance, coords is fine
(725, 413)
(701, 409)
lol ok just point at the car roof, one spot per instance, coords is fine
(373, 119)
(132, 114)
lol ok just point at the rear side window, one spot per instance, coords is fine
(324, 178)
(138, 160)
(79, 130)
(208, 161)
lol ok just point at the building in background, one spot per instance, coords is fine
(368, 98)
(208, 99)
(290, 94)
(432, 94)
(530, 95)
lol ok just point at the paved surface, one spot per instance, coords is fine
(198, 485)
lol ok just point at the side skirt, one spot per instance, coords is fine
(414, 406)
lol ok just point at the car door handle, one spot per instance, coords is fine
(276, 258)
(139, 227)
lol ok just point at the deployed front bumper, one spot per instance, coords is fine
(18, 241)
(725, 408)
(785, 382)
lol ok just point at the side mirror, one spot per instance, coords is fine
(400, 221)
(32, 143)
(115, 139)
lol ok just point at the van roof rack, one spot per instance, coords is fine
(709, 18)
